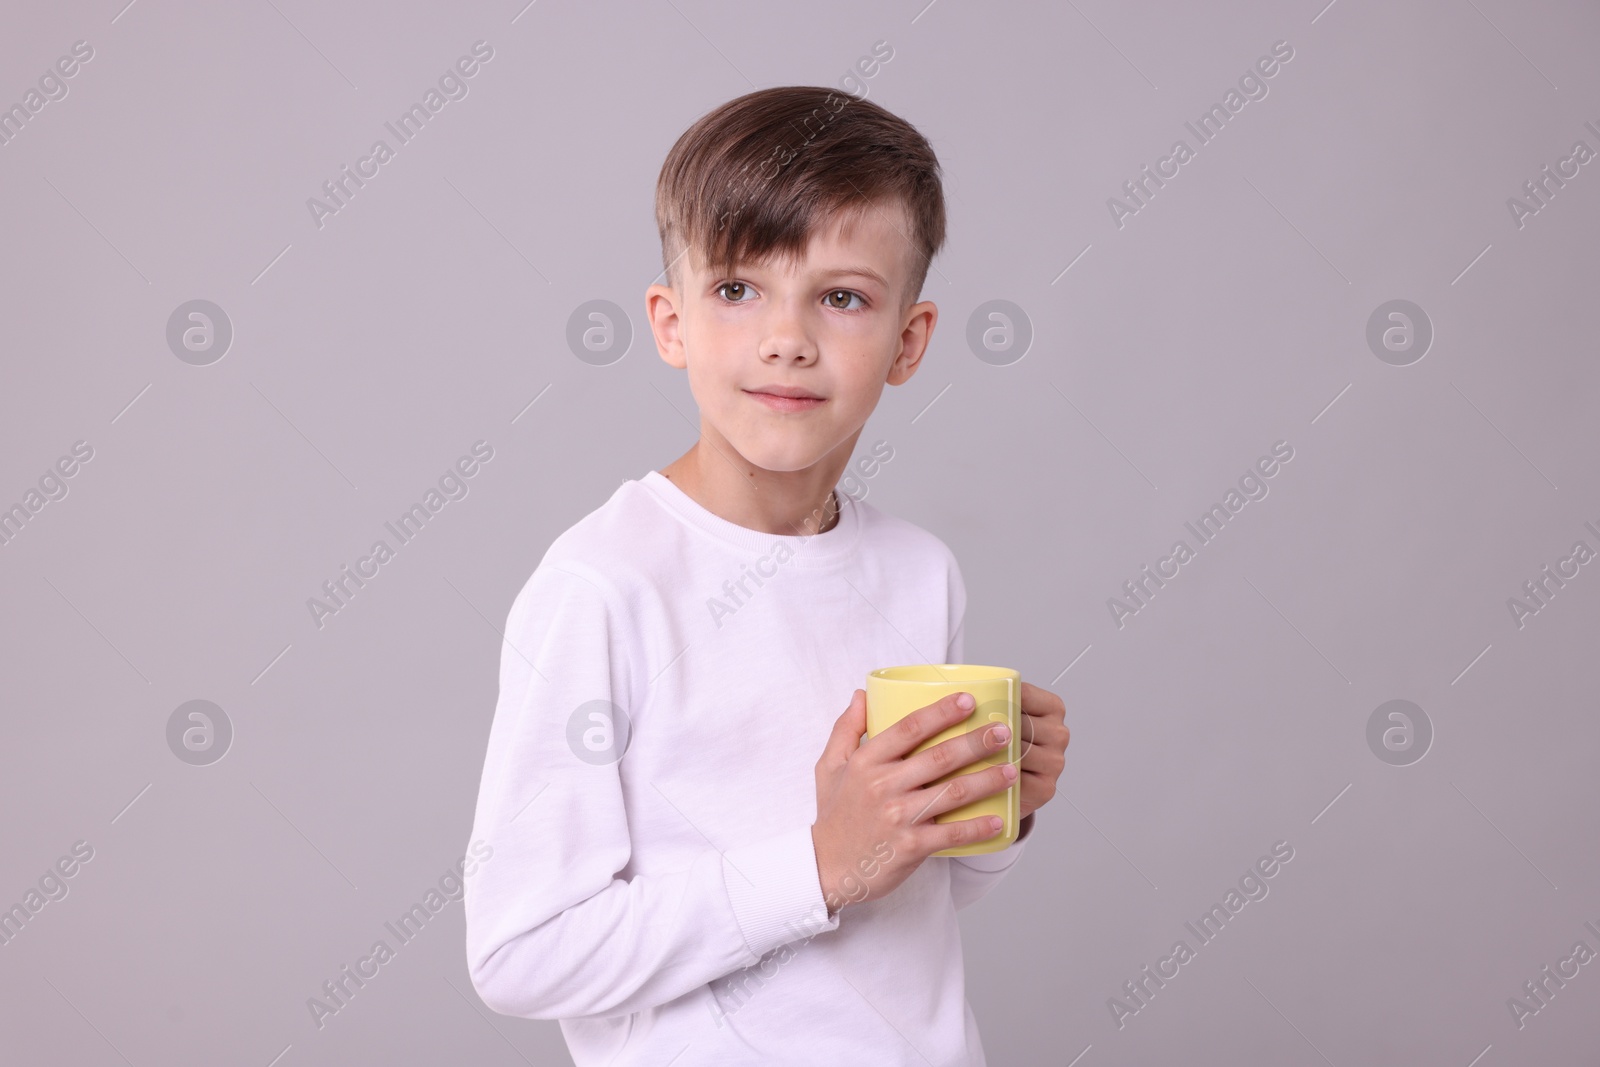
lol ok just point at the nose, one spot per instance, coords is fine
(787, 340)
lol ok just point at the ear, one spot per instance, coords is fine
(666, 324)
(920, 319)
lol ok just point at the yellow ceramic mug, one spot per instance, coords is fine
(895, 692)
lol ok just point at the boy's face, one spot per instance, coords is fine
(834, 325)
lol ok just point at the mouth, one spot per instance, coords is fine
(778, 401)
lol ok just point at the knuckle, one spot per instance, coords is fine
(957, 791)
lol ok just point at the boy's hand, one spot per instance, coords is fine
(1044, 746)
(875, 807)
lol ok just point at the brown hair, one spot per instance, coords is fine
(754, 177)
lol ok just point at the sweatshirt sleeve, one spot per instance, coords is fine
(971, 877)
(552, 932)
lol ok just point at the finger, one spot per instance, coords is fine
(941, 836)
(949, 757)
(1036, 700)
(847, 730)
(1043, 738)
(1036, 790)
(1047, 734)
(902, 737)
(941, 797)
(1028, 727)
(1044, 763)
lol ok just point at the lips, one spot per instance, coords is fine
(786, 390)
(786, 398)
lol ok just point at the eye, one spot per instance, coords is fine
(737, 288)
(847, 294)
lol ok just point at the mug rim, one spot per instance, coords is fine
(887, 674)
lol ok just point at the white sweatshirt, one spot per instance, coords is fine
(653, 883)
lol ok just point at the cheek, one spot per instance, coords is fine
(711, 370)
(858, 397)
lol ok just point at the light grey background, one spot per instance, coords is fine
(1228, 314)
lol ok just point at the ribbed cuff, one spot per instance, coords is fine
(1006, 857)
(775, 890)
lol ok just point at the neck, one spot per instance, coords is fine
(789, 503)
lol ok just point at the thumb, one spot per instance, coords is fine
(847, 729)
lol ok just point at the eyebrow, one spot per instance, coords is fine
(827, 272)
(865, 272)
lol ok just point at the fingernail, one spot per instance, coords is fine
(964, 701)
(998, 735)
(1008, 770)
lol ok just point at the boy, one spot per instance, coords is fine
(677, 876)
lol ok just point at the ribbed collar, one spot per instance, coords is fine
(815, 550)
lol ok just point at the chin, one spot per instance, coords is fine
(781, 457)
